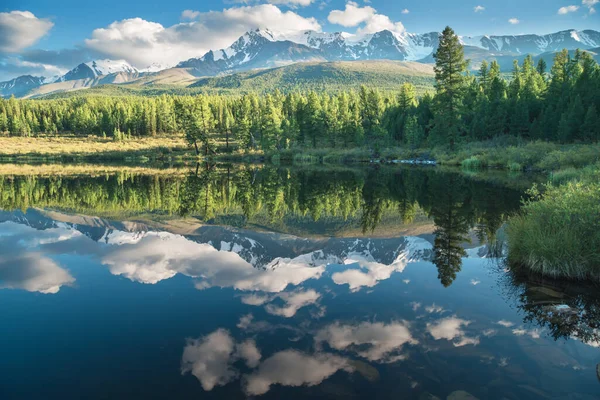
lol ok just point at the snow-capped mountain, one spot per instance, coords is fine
(262, 48)
(96, 68)
(536, 44)
(20, 85)
(255, 49)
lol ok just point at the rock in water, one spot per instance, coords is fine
(461, 395)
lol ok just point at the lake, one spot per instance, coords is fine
(236, 281)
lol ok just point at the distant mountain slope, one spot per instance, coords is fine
(327, 76)
(20, 85)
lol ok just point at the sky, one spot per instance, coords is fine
(41, 37)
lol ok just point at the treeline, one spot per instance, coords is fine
(559, 104)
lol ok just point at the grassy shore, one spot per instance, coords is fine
(506, 153)
(557, 232)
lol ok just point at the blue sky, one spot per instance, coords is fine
(48, 37)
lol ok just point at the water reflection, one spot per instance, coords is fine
(270, 288)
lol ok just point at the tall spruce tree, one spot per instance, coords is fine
(450, 68)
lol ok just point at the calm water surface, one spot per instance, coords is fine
(236, 282)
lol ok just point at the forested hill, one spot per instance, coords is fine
(330, 77)
(326, 76)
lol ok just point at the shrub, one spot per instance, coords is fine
(558, 233)
(472, 163)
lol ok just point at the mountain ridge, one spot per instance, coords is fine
(264, 49)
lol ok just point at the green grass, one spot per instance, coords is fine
(515, 155)
(557, 232)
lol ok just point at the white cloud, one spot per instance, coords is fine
(293, 368)
(514, 21)
(406, 11)
(373, 341)
(21, 29)
(451, 329)
(209, 359)
(291, 3)
(506, 324)
(590, 5)
(354, 15)
(142, 42)
(475, 282)
(479, 9)
(293, 302)
(567, 9)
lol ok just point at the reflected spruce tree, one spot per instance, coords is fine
(451, 211)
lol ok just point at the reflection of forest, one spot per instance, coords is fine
(282, 199)
(567, 309)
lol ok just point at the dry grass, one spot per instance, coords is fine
(46, 170)
(72, 145)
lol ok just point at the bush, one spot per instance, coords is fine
(558, 233)
(472, 163)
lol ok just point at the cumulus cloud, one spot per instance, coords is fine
(406, 11)
(21, 29)
(590, 5)
(293, 368)
(354, 15)
(567, 9)
(514, 21)
(373, 341)
(142, 42)
(451, 329)
(479, 9)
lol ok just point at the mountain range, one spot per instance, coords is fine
(264, 49)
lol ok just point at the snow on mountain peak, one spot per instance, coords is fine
(107, 67)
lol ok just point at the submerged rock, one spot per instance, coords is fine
(461, 395)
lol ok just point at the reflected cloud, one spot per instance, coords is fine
(370, 272)
(26, 269)
(506, 324)
(32, 272)
(293, 368)
(373, 341)
(293, 302)
(160, 256)
(533, 333)
(209, 359)
(434, 309)
(451, 329)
